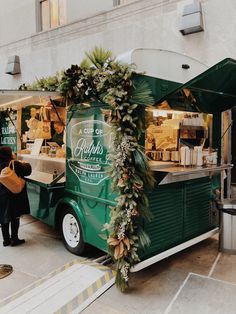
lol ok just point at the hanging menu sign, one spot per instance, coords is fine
(8, 134)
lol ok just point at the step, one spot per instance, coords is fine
(67, 290)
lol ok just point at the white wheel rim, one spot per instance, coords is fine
(71, 230)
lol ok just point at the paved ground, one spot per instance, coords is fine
(42, 253)
(197, 280)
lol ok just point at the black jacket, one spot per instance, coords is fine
(14, 205)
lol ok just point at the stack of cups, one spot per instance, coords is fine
(197, 156)
(185, 156)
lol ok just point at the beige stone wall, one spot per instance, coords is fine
(80, 9)
(147, 24)
(17, 20)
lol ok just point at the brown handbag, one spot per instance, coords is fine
(11, 180)
(43, 128)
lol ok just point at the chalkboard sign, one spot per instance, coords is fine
(8, 134)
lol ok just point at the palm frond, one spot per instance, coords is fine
(141, 93)
(99, 56)
(140, 160)
(144, 239)
(85, 63)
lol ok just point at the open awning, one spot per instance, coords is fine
(16, 99)
(212, 91)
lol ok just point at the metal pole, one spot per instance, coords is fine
(229, 153)
(222, 157)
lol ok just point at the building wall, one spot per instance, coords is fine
(80, 9)
(17, 20)
(146, 24)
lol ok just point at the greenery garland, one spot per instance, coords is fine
(100, 77)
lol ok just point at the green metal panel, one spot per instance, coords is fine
(43, 201)
(159, 87)
(97, 214)
(166, 227)
(89, 140)
(197, 210)
(180, 211)
(212, 91)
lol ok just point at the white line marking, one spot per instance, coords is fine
(211, 278)
(176, 295)
(214, 265)
(184, 283)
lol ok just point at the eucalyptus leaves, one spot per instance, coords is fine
(100, 77)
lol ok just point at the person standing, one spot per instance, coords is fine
(12, 206)
(59, 132)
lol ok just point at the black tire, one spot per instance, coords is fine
(71, 231)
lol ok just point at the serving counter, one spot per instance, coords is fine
(44, 163)
(45, 185)
(168, 172)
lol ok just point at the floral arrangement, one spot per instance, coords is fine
(100, 77)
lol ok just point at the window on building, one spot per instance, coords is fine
(52, 13)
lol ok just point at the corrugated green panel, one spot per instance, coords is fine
(179, 212)
(166, 228)
(197, 215)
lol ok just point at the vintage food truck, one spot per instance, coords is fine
(187, 140)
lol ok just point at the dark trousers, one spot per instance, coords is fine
(15, 223)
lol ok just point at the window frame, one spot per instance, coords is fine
(39, 20)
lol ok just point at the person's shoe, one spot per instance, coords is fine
(17, 242)
(6, 243)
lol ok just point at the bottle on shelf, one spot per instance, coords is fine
(55, 174)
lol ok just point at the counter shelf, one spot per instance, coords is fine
(46, 179)
(169, 173)
(43, 167)
(29, 157)
(44, 189)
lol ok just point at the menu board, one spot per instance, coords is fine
(8, 134)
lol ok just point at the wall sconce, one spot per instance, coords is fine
(191, 19)
(13, 65)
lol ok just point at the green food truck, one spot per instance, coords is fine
(187, 141)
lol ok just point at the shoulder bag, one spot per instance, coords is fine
(43, 128)
(11, 180)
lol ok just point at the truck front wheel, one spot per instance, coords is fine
(71, 232)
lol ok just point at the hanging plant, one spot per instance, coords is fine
(100, 77)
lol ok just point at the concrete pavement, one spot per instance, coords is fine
(42, 253)
(197, 280)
